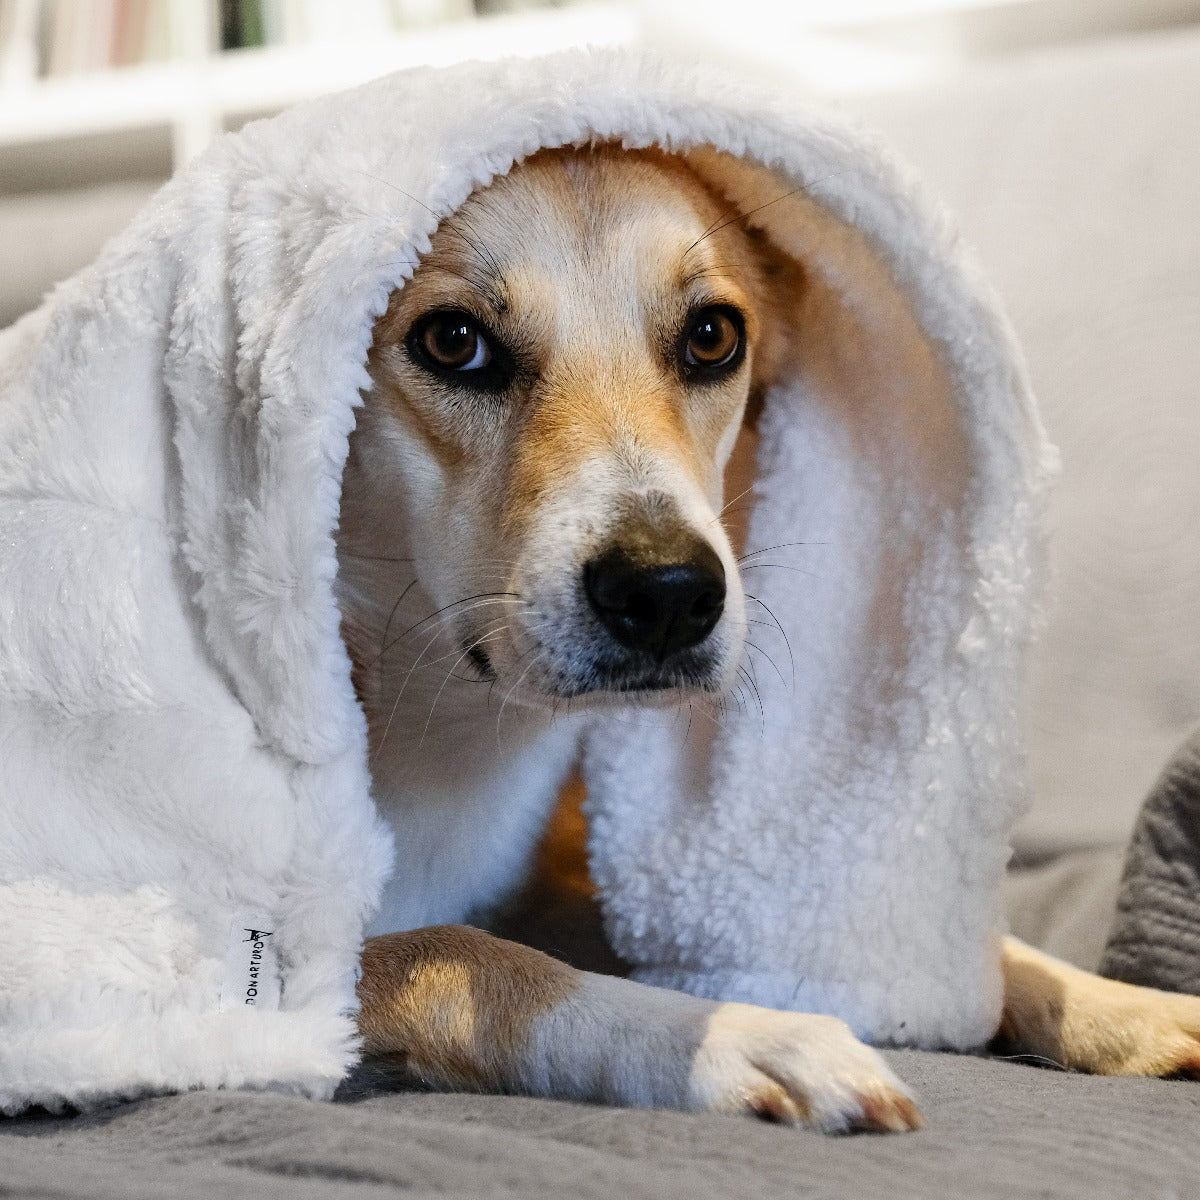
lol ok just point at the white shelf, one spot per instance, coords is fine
(194, 100)
(141, 122)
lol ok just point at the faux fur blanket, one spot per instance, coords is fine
(188, 844)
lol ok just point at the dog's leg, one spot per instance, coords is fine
(1088, 1023)
(461, 1009)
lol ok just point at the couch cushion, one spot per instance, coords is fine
(1077, 177)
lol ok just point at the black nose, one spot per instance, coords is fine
(657, 607)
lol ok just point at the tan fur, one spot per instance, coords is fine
(1086, 1023)
(637, 241)
(454, 1005)
(556, 909)
(1052, 1010)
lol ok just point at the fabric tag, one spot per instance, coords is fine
(251, 965)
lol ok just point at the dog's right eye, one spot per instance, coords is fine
(452, 345)
(452, 341)
(713, 343)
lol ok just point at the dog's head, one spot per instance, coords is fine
(557, 392)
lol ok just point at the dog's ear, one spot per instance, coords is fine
(852, 381)
(782, 284)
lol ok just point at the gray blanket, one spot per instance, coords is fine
(1155, 939)
(996, 1129)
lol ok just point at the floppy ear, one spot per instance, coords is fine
(842, 349)
(837, 323)
(779, 294)
(781, 286)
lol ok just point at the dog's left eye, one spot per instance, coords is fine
(713, 341)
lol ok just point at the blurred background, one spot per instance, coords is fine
(108, 90)
(116, 94)
(1063, 134)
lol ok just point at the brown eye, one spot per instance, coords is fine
(461, 352)
(714, 341)
(451, 341)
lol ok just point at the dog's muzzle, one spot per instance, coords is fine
(657, 596)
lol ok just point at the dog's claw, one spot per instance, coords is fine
(772, 1103)
(891, 1112)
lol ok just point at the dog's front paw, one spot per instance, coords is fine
(1084, 1022)
(626, 1043)
(797, 1068)
(1181, 1050)
(1122, 1030)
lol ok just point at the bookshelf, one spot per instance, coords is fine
(87, 133)
(144, 120)
(72, 116)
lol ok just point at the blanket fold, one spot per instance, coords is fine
(188, 847)
(1155, 938)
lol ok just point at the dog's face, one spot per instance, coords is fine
(557, 392)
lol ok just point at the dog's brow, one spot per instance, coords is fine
(490, 288)
(705, 263)
(487, 273)
(713, 271)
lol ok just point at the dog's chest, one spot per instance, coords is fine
(466, 807)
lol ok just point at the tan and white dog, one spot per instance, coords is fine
(563, 395)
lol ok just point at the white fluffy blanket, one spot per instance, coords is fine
(188, 846)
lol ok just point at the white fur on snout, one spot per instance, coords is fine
(625, 1043)
(576, 524)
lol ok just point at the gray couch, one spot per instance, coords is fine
(1077, 176)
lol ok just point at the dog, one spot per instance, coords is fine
(563, 394)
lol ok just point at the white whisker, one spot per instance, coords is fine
(508, 695)
(465, 654)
